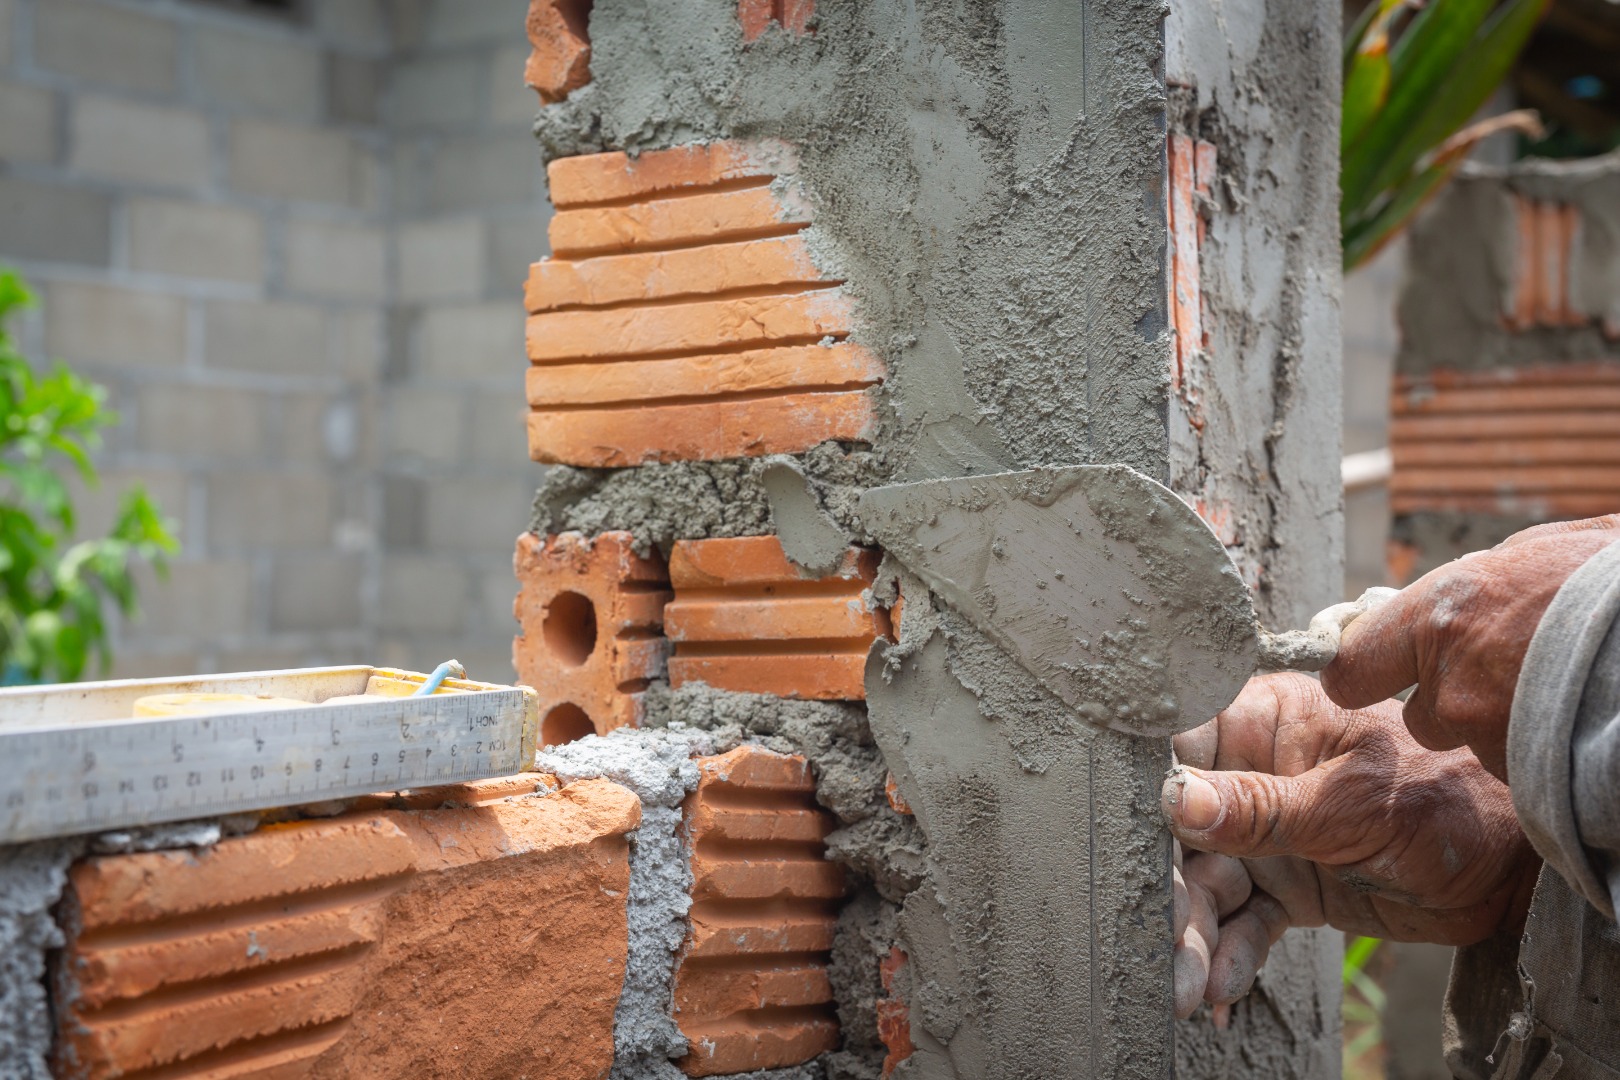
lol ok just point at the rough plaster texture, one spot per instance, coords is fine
(32, 877)
(1461, 269)
(988, 180)
(1255, 419)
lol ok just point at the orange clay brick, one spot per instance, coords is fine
(699, 325)
(593, 179)
(700, 431)
(775, 261)
(560, 53)
(589, 614)
(378, 943)
(839, 366)
(682, 318)
(897, 801)
(751, 989)
(756, 16)
(708, 218)
(1539, 441)
(744, 618)
(893, 1014)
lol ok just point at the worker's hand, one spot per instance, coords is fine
(1340, 818)
(1459, 634)
(1223, 931)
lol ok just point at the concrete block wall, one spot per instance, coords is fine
(289, 246)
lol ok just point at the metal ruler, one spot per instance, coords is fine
(68, 768)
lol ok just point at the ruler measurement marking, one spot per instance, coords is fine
(91, 777)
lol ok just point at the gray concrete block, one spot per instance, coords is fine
(439, 92)
(516, 240)
(476, 513)
(354, 23)
(107, 325)
(107, 46)
(353, 89)
(423, 594)
(326, 429)
(511, 102)
(269, 658)
(132, 661)
(96, 508)
(258, 510)
(441, 260)
(356, 345)
(27, 123)
(450, 22)
(258, 72)
(193, 239)
(266, 336)
(423, 424)
(143, 144)
(8, 15)
(197, 601)
(346, 262)
(315, 593)
(53, 223)
(295, 162)
(495, 170)
(498, 426)
(201, 422)
(404, 507)
(472, 341)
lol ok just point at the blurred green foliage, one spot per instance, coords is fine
(54, 594)
(1414, 73)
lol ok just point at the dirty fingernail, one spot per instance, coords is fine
(1200, 802)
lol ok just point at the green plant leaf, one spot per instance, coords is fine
(1366, 83)
(1422, 63)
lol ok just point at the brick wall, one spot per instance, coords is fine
(290, 248)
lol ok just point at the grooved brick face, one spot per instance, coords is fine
(744, 618)
(486, 939)
(751, 989)
(590, 616)
(560, 53)
(1538, 441)
(681, 316)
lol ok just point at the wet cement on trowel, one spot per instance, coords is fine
(987, 179)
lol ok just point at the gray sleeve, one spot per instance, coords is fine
(1563, 752)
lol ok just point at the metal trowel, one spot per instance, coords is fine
(1101, 582)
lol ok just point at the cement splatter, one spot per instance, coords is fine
(811, 539)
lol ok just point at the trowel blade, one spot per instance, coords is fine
(1108, 588)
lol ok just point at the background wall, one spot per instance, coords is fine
(291, 245)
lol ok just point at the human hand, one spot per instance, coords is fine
(1339, 818)
(1460, 633)
(1224, 929)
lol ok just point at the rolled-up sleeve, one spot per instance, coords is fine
(1564, 734)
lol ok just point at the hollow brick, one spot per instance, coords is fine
(1539, 441)
(590, 615)
(681, 316)
(751, 988)
(384, 942)
(560, 52)
(745, 618)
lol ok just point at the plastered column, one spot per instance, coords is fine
(1252, 158)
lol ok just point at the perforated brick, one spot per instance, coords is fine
(752, 991)
(590, 616)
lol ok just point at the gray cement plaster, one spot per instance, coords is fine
(988, 179)
(32, 877)
(1255, 422)
(1460, 275)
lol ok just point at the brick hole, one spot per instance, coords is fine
(570, 628)
(576, 15)
(565, 724)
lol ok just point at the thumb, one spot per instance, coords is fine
(1247, 814)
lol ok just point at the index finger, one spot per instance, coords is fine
(1377, 656)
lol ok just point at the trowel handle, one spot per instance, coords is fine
(1314, 648)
